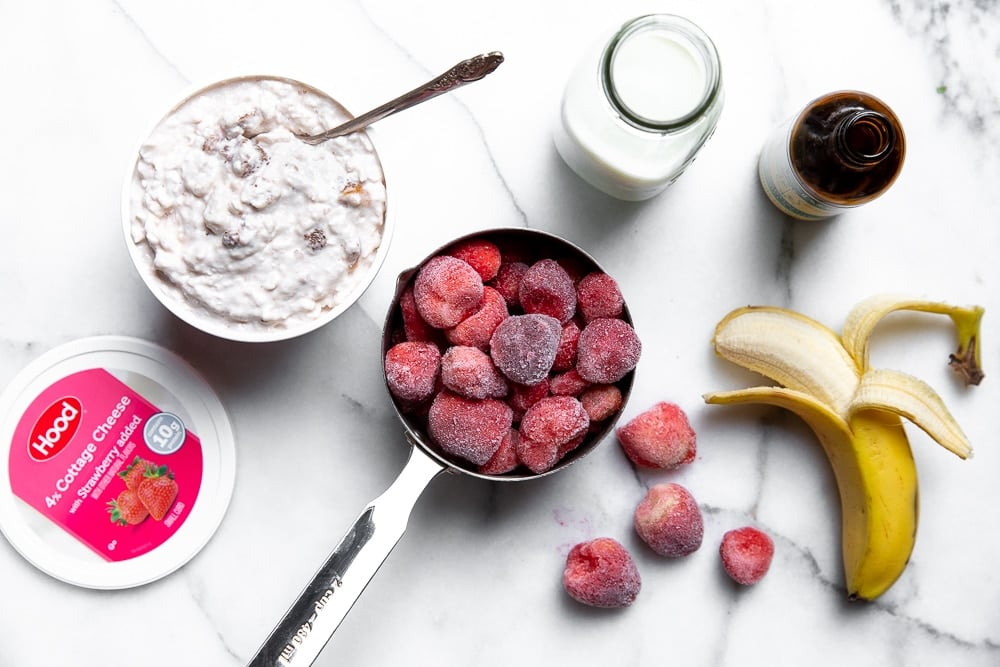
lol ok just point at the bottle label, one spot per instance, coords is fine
(782, 186)
(105, 465)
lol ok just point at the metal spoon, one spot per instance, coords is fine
(467, 71)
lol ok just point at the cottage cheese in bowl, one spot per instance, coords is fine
(242, 229)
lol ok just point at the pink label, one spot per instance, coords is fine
(105, 464)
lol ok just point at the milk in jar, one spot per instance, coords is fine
(640, 105)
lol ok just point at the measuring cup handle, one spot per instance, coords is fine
(312, 619)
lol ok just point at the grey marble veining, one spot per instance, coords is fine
(963, 39)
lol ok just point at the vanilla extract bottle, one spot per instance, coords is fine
(842, 150)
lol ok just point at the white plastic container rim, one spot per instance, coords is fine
(58, 553)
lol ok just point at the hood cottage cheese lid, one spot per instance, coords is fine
(117, 462)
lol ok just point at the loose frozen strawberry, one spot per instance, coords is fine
(477, 329)
(547, 289)
(469, 372)
(566, 353)
(660, 437)
(132, 475)
(481, 255)
(158, 491)
(127, 509)
(508, 282)
(523, 347)
(746, 554)
(598, 295)
(411, 370)
(607, 350)
(601, 573)
(601, 401)
(669, 521)
(446, 291)
(505, 459)
(468, 428)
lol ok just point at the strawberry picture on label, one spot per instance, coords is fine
(133, 474)
(127, 509)
(150, 490)
(157, 491)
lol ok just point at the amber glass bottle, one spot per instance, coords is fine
(842, 150)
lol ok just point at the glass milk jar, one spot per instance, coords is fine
(639, 106)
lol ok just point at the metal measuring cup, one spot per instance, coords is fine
(321, 606)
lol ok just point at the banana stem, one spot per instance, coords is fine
(966, 360)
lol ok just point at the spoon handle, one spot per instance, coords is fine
(467, 71)
(310, 622)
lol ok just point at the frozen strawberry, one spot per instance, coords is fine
(601, 401)
(505, 459)
(669, 521)
(569, 446)
(158, 491)
(508, 282)
(414, 327)
(607, 350)
(468, 428)
(523, 347)
(547, 289)
(566, 353)
(567, 384)
(477, 329)
(746, 554)
(127, 509)
(601, 573)
(523, 397)
(597, 296)
(411, 370)
(547, 428)
(574, 268)
(446, 291)
(660, 437)
(538, 457)
(132, 475)
(481, 255)
(469, 372)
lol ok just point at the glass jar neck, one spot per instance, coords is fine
(688, 39)
(864, 138)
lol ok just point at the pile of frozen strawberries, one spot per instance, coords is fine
(508, 354)
(509, 358)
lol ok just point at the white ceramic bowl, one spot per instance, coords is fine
(197, 316)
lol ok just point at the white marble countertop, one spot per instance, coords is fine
(476, 578)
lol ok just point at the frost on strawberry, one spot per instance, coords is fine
(746, 554)
(601, 573)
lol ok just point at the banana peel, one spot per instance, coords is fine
(856, 412)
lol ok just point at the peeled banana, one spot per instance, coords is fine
(856, 413)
